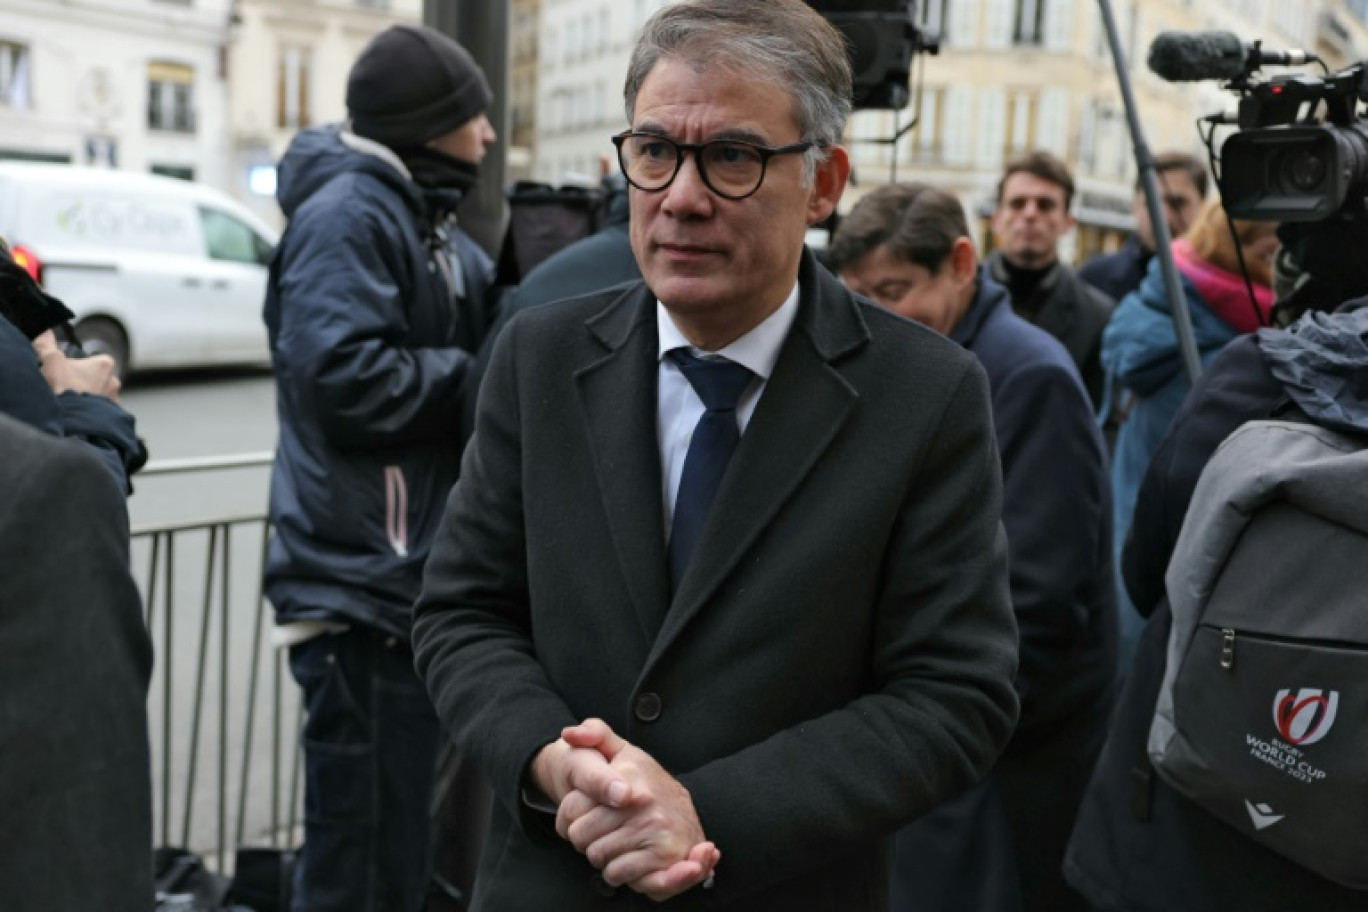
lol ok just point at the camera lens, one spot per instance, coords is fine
(1304, 169)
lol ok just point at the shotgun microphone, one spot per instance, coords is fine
(1197, 56)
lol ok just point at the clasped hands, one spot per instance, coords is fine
(619, 808)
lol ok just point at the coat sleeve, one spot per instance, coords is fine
(1056, 512)
(940, 709)
(1235, 388)
(344, 336)
(73, 692)
(472, 629)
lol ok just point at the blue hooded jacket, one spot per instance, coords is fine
(374, 307)
(1140, 353)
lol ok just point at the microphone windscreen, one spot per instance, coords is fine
(1194, 56)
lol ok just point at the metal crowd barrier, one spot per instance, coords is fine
(210, 626)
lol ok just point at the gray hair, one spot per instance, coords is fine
(784, 42)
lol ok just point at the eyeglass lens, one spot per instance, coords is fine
(730, 168)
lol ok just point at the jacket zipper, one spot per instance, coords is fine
(1229, 635)
(396, 510)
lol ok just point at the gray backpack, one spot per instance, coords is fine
(1262, 717)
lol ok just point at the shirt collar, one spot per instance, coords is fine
(757, 350)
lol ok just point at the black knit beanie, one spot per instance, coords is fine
(411, 84)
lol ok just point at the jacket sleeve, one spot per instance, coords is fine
(1056, 512)
(1236, 388)
(99, 422)
(472, 627)
(73, 691)
(24, 393)
(344, 336)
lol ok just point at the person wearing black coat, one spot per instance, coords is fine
(1032, 214)
(1138, 845)
(807, 640)
(75, 660)
(599, 261)
(375, 307)
(1000, 847)
(1182, 180)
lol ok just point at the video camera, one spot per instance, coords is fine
(1301, 153)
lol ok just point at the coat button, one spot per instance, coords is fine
(648, 707)
(602, 887)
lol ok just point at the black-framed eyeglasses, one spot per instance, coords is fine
(731, 168)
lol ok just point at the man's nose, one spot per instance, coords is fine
(687, 193)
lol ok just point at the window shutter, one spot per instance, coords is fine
(1087, 138)
(964, 24)
(992, 128)
(1059, 24)
(1052, 130)
(1021, 121)
(958, 104)
(997, 32)
(927, 134)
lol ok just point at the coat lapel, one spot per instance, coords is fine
(617, 393)
(804, 405)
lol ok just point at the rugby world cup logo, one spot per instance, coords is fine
(1304, 717)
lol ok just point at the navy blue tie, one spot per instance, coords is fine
(719, 384)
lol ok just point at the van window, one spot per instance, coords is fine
(231, 239)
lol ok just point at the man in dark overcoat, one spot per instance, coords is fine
(1001, 845)
(720, 600)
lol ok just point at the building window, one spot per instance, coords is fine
(14, 75)
(1029, 27)
(934, 18)
(292, 88)
(170, 97)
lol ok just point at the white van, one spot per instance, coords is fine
(159, 272)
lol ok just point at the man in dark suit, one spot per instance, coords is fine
(75, 658)
(1032, 215)
(668, 650)
(1000, 846)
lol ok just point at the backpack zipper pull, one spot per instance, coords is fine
(1227, 648)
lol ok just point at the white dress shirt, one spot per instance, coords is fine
(678, 407)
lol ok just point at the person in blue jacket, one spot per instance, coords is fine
(1143, 363)
(45, 388)
(1001, 846)
(375, 307)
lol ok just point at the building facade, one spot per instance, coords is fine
(1014, 75)
(524, 40)
(287, 69)
(585, 46)
(132, 84)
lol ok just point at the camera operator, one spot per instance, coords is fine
(1179, 856)
(42, 386)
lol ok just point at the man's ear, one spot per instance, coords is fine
(828, 184)
(963, 262)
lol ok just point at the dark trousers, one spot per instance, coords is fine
(370, 751)
(1000, 847)
(957, 858)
